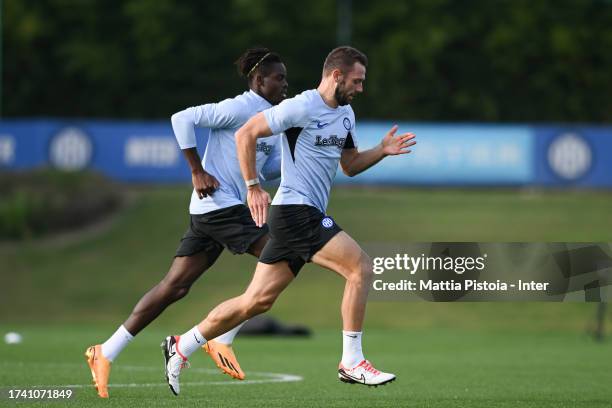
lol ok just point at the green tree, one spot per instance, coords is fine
(430, 60)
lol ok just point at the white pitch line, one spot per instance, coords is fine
(280, 379)
(271, 377)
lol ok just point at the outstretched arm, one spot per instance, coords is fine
(354, 162)
(246, 140)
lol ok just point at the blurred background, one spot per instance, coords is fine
(510, 101)
(442, 60)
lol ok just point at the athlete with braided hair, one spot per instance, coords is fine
(218, 217)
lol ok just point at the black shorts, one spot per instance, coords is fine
(297, 232)
(232, 228)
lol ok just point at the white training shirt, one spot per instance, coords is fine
(220, 158)
(314, 136)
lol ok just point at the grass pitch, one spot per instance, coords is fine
(435, 368)
(99, 276)
(65, 294)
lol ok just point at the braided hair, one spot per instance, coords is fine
(256, 60)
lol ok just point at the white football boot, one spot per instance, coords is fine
(364, 373)
(174, 362)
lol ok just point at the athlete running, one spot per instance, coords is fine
(319, 133)
(218, 217)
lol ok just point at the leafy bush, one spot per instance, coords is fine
(45, 201)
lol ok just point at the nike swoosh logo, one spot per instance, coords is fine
(321, 125)
(170, 351)
(196, 339)
(358, 379)
(354, 336)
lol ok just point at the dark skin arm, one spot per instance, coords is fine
(203, 183)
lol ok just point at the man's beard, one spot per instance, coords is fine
(341, 96)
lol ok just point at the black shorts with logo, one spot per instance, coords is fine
(297, 232)
(232, 228)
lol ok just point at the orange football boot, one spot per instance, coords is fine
(224, 358)
(100, 369)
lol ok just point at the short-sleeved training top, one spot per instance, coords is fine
(314, 136)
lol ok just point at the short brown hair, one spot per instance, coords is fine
(343, 58)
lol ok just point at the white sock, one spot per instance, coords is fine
(190, 342)
(117, 342)
(351, 349)
(228, 338)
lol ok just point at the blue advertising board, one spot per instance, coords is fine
(125, 151)
(446, 154)
(452, 154)
(574, 156)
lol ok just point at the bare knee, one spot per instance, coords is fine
(367, 270)
(173, 291)
(183, 272)
(258, 304)
(360, 271)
